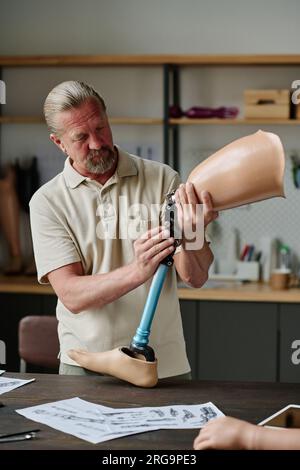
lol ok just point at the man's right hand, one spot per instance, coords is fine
(150, 249)
(79, 291)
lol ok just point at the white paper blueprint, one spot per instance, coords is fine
(96, 423)
(7, 384)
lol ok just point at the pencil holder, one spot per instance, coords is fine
(247, 270)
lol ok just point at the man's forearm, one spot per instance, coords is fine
(94, 291)
(192, 265)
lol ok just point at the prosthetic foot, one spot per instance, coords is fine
(121, 363)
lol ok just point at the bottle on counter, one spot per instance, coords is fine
(269, 249)
(284, 258)
(281, 277)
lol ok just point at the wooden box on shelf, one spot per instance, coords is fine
(272, 104)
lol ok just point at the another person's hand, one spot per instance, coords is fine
(150, 249)
(226, 433)
(189, 218)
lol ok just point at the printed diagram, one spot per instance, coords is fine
(97, 423)
(8, 383)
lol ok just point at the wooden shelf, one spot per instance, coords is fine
(138, 121)
(159, 121)
(21, 120)
(234, 122)
(251, 59)
(136, 60)
(114, 121)
(80, 60)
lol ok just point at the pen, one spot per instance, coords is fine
(250, 253)
(18, 436)
(244, 252)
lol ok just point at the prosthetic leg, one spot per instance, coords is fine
(136, 364)
(247, 170)
(10, 221)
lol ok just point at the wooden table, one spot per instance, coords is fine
(251, 401)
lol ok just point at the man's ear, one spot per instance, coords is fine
(58, 142)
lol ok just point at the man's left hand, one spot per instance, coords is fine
(189, 218)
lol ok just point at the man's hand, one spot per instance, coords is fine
(226, 433)
(150, 249)
(190, 219)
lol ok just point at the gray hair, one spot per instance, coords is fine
(65, 96)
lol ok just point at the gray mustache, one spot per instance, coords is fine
(99, 153)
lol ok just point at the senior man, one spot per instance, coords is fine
(82, 224)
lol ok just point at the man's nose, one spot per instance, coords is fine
(95, 142)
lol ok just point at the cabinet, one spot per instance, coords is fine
(171, 66)
(231, 340)
(247, 341)
(289, 333)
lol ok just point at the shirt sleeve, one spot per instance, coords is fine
(52, 244)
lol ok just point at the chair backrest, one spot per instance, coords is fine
(38, 341)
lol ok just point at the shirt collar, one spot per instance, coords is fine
(125, 167)
(72, 177)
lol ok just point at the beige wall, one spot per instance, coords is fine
(143, 26)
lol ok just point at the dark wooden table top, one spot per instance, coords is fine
(250, 401)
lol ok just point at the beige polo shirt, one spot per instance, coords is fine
(74, 218)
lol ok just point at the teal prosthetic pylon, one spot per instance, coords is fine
(139, 344)
(140, 340)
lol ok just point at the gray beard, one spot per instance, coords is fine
(103, 165)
